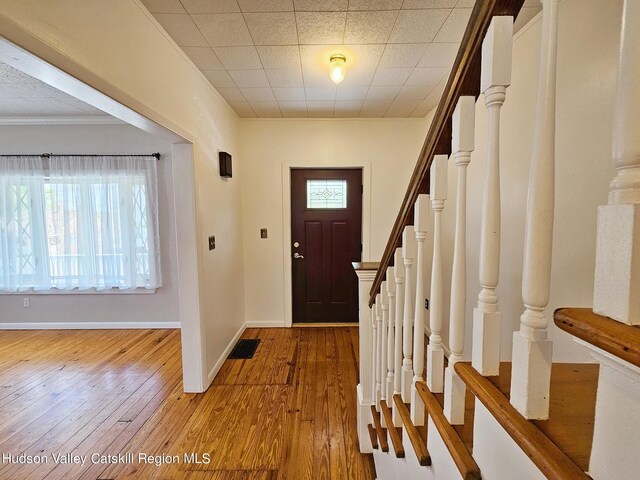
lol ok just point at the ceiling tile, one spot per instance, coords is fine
(249, 78)
(439, 55)
(203, 57)
(453, 29)
(469, 3)
(232, 94)
(402, 107)
(238, 58)
(320, 5)
(297, 109)
(266, 109)
(243, 109)
(223, 29)
(182, 29)
(315, 28)
(374, 4)
(219, 78)
(347, 108)
(164, 6)
(418, 26)
(11, 75)
(427, 76)
(266, 5)
(263, 94)
(375, 108)
(279, 57)
(320, 109)
(210, 6)
(526, 14)
(417, 4)
(391, 77)
(382, 93)
(417, 92)
(402, 55)
(320, 93)
(369, 27)
(272, 28)
(362, 62)
(315, 63)
(285, 77)
(289, 94)
(351, 93)
(429, 103)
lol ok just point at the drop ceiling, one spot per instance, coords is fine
(24, 98)
(270, 58)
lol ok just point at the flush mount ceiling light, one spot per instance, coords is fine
(337, 71)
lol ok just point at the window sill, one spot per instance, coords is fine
(91, 291)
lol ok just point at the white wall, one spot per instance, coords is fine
(587, 46)
(160, 307)
(120, 49)
(389, 146)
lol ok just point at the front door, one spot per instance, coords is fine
(326, 236)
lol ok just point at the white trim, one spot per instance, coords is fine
(265, 324)
(76, 120)
(286, 215)
(88, 325)
(216, 368)
(75, 291)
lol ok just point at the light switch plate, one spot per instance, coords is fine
(212, 242)
(263, 233)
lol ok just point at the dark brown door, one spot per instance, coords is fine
(326, 227)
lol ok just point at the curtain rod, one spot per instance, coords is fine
(47, 155)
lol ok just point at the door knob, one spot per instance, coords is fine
(297, 255)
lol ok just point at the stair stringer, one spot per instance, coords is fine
(388, 467)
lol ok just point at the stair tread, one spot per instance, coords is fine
(561, 444)
(608, 334)
(394, 432)
(418, 441)
(373, 437)
(380, 432)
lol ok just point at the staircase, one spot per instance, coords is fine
(425, 411)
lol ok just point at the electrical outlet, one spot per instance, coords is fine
(26, 303)
(263, 233)
(426, 304)
(212, 242)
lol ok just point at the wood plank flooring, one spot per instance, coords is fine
(289, 413)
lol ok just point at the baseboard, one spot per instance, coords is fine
(88, 325)
(267, 324)
(216, 368)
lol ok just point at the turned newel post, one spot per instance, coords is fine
(617, 276)
(494, 80)
(422, 217)
(462, 145)
(532, 351)
(398, 273)
(365, 390)
(408, 254)
(391, 293)
(435, 354)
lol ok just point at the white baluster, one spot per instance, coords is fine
(377, 350)
(384, 300)
(616, 292)
(398, 271)
(408, 254)
(494, 80)
(462, 145)
(391, 293)
(532, 351)
(435, 354)
(422, 219)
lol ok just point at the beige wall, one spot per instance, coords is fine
(388, 148)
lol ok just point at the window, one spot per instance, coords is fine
(78, 223)
(326, 194)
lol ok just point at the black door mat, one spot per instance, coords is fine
(244, 349)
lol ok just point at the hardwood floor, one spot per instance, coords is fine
(289, 413)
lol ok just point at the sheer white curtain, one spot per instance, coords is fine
(98, 220)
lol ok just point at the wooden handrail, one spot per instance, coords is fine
(545, 454)
(464, 79)
(614, 337)
(467, 466)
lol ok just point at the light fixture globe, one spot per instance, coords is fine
(337, 71)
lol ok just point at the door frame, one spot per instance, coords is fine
(366, 167)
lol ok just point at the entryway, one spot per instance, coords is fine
(326, 236)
